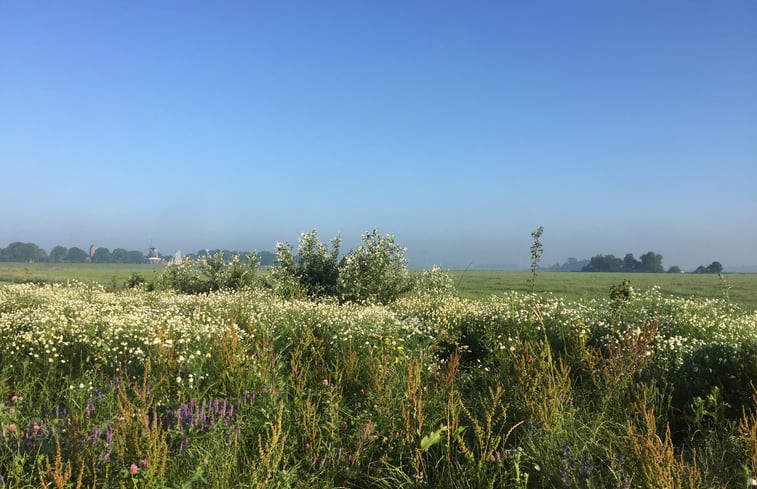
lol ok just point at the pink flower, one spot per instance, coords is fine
(10, 427)
(133, 469)
(14, 398)
(325, 382)
(143, 463)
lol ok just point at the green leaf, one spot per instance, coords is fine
(432, 438)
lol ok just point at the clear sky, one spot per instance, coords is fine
(459, 127)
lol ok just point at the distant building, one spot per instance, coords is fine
(92, 250)
(153, 256)
(176, 259)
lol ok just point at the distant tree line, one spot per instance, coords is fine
(30, 252)
(649, 262)
(714, 267)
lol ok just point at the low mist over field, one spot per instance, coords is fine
(459, 129)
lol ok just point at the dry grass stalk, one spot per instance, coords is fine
(655, 457)
(748, 433)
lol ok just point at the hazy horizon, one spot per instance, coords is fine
(619, 128)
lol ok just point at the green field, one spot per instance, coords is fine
(472, 284)
(741, 288)
(114, 274)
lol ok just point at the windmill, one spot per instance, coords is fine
(152, 256)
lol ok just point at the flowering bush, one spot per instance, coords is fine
(208, 273)
(375, 272)
(314, 271)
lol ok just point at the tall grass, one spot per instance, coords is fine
(245, 389)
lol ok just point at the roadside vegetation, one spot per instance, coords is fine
(353, 372)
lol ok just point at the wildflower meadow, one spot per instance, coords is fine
(248, 387)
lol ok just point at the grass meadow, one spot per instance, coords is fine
(486, 386)
(112, 274)
(739, 288)
(471, 284)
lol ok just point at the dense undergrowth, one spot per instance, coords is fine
(245, 388)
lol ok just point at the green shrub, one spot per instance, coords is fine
(208, 273)
(434, 281)
(375, 272)
(313, 272)
(728, 368)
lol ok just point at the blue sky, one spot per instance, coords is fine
(459, 127)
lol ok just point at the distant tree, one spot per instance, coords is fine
(651, 262)
(23, 252)
(57, 254)
(76, 255)
(674, 269)
(102, 255)
(604, 263)
(714, 267)
(631, 264)
(136, 257)
(119, 255)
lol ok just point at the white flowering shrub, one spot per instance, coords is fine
(434, 281)
(375, 272)
(313, 272)
(208, 273)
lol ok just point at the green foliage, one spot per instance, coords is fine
(240, 388)
(23, 252)
(631, 264)
(434, 281)
(714, 267)
(208, 273)
(135, 280)
(727, 368)
(536, 252)
(375, 272)
(604, 263)
(621, 292)
(102, 255)
(313, 272)
(651, 262)
(76, 255)
(57, 254)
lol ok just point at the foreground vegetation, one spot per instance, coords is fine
(248, 389)
(352, 372)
